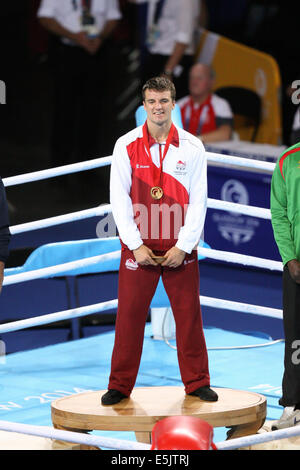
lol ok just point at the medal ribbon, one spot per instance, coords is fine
(196, 122)
(157, 172)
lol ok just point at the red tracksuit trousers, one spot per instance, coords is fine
(137, 285)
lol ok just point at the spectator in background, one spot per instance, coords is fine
(170, 40)
(4, 232)
(205, 114)
(80, 68)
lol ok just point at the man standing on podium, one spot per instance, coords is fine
(158, 190)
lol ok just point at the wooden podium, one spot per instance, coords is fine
(242, 411)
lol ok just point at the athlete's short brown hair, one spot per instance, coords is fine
(159, 84)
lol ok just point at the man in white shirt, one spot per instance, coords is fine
(170, 40)
(158, 192)
(81, 73)
(204, 113)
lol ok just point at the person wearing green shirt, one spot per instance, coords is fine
(285, 217)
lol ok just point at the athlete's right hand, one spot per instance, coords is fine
(294, 270)
(143, 255)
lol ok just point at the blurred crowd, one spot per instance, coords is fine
(74, 68)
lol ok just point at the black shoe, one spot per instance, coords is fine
(111, 397)
(205, 393)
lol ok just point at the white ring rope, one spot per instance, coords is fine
(252, 211)
(58, 316)
(241, 307)
(111, 304)
(118, 444)
(246, 441)
(73, 265)
(238, 258)
(106, 209)
(104, 161)
(74, 437)
(57, 171)
(59, 268)
(240, 161)
(61, 219)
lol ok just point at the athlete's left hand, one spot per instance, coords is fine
(174, 257)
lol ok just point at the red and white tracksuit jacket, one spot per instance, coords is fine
(176, 219)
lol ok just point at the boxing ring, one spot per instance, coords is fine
(80, 368)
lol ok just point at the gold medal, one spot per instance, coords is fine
(156, 192)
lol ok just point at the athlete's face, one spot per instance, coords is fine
(158, 106)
